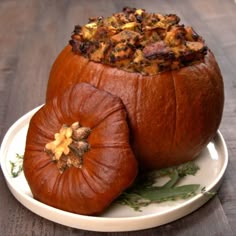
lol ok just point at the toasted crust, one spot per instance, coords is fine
(137, 41)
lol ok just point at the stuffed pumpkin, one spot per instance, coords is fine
(164, 73)
(77, 156)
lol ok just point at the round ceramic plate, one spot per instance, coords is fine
(212, 162)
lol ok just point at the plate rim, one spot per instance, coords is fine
(127, 222)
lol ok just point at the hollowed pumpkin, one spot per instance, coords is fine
(170, 83)
(77, 156)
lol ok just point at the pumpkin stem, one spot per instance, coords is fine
(69, 145)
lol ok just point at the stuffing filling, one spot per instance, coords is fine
(137, 41)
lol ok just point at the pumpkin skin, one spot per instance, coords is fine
(172, 115)
(108, 167)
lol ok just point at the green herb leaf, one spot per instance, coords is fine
(159, 194)
(144, 191)
(208, 193)
(17, 165)
(174, 177)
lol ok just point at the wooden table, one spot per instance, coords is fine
(32, 33)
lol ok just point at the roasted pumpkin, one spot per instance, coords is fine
(166, 76)
(77, 156)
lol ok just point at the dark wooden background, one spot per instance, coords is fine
(33, 32)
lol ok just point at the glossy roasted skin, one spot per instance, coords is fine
(172, 115)
(108, 166)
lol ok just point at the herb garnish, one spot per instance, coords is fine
(210, 194)
(17, 165)
(146, 191)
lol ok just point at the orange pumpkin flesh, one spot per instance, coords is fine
(108, 167)
(172, 114)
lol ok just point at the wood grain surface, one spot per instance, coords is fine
(33, 32)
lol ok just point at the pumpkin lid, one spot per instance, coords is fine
(137, 41)
(77, 156)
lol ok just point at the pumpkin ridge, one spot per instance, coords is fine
(42, 132)
(97, 161)
(60, 181)
(71, 92)
(95, 182)
(43, 178)
(37, 123)
(99, 77)
(132, 119)
(84, 195)
(209, 59)
(45, 165)
(34, 149)
(209, 72)
(109, 113)
(118, 106)
(56, 66)
(176, 113)
(57, 112)
(79, 69)
(79, 194)
(97, 177)
(55, 185)
(33, 153)
(57, 70)
(71, 61)
(86, 180)
(120, 145)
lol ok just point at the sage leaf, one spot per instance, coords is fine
(157, 194)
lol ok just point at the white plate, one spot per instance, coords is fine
(212, 162)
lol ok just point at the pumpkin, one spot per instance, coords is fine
(77, 156)
(167, 78)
